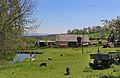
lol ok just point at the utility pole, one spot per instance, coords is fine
(82, 42)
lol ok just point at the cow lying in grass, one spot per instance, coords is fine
(43, 64)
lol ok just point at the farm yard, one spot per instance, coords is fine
(59, 39)
(61, 58)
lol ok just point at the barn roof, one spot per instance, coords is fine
(45, 41)
(72, 38)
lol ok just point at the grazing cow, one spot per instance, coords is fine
(43, 64)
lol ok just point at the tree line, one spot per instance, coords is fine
(89, 30)
(110, 27)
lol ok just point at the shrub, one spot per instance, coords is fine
(116, 69)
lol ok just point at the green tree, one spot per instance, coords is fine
(89, 30)
(98, 29)
(13, 17)
(113, 26)
(69, 31)
(75, 31)
(85, 30)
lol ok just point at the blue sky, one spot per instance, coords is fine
(60, 15)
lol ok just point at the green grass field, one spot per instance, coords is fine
(72, 58)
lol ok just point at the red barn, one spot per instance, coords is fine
(64, 40)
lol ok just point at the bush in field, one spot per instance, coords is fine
(115, 68)
(112, 66)
(114, 74)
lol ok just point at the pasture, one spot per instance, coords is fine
(61, 58)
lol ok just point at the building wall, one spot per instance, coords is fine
(61, 44)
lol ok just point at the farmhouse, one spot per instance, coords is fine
(64, 40)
